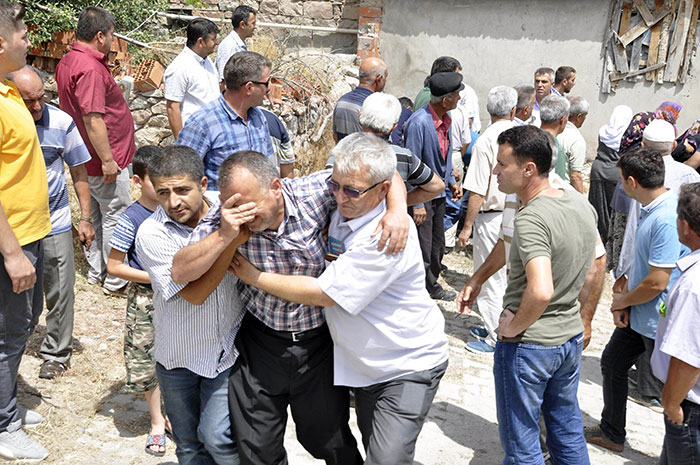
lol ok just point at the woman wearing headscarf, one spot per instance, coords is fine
(620, 205)
(604, 172)
(687, 149)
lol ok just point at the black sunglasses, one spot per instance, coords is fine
(265, 83)
(349, 191)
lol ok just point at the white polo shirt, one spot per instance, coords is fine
(192, 81)
(385, 325)
(228, 47)
(678, 333)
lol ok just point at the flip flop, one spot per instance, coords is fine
(155, 440)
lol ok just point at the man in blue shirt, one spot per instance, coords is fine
(232, 122)
(60, 142)
(636, 309)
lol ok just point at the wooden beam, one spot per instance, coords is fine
(621, 65)
(636, 55)
(629, 36)
(625, 18)
(653, 54)
(610, 44)
(690, 43)
(620, 76)
(663, 41)
(644, 12)
(676, 51)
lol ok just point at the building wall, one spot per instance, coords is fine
(503, 42)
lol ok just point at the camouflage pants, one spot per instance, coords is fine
(138, 340)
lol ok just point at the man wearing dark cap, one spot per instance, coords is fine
(427, 135)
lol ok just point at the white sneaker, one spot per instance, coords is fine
(29, 418)
(18, 446)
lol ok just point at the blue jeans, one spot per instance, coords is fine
(198, 411)
(532, 377)
(682, 442)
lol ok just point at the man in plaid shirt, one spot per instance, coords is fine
(285, 348)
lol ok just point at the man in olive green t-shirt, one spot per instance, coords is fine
(537, 358)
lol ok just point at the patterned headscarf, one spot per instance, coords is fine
(669, 111)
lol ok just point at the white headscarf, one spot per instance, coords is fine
(611, 133)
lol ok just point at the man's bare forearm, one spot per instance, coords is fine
(680, 379)
(192, 261)
(426, 192)
(396, 197)
(591, 290)
(174, 117)
(473, 206)
(577, 181)
(538, 293)
(82, 188)
(9, 245)
(494, 262)
(299, 289)
(97, 133)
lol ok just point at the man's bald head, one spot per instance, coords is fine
(373, 73)
(31, 87)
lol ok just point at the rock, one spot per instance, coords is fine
(51, 86)
(148, 136)
(138, 103)
(351, 71)
(339, 89)
(292, 125)
(318, 10)
(158, 121)
(170, 140)
(141, 116)
(159, 108)
(290, 8)
(269, 7)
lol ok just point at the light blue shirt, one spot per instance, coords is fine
(656, 244)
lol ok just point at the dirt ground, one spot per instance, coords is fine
(89, 420)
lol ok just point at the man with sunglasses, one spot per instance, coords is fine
(285, 349)
(232, 122)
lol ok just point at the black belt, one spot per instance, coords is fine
(294, 336)
(690, 404)
(492, 211)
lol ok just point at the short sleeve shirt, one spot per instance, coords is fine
(23, 185)
(85, 86)
(124, 235)
(228, 47)
(346, 115)
(574, 146)
(192, 81)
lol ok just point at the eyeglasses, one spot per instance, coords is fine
(349, 191)
(265, 83)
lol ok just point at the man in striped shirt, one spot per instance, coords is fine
(194, 349)
(60, 142)
(285, 348)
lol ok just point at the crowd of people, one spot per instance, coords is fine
(251, 293)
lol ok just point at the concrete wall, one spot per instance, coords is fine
(503, 42)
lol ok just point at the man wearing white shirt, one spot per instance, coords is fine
(676, 357)
(244, 22)
(485, 212)
(388, 334)
(190, 80)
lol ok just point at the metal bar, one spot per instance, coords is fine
(338, 30)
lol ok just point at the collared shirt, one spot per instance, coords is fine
(60, 142)
(468, 101)
(23, 186)
(85, 86)
(280, 138)
(228, 47)
(297, 247)
(574, 146)
(442, 128)
(124, 235)
(459, 129)
(217, 131)
(196, 337)
(675, 175)
(385, 325)
(346, 114)
(656, 244)
(480, 178)
(556, 92)
(678, 334)
(192, 81)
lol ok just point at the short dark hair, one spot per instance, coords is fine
(176, 160)
(243, 67)
(143, 157)
(525, 93)
(241, 13)
(256, 163)
(11, 16)
(645, 165)
(200, 27)
(92, 20)
(689, 205)
(545, 70)
(563, 72)
(529, 143)
(443, 64)
(406, 103)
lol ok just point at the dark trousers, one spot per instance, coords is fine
(273, 372)
(682, 442)
(19, 314)
(623, 349)
(431, 235)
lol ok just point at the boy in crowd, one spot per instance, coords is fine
(138, 327)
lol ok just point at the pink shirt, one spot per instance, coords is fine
(442, 127)
(85, 86)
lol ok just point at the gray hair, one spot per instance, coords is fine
(11, 16)
(367, 154)
(26, 69)
(243, 67)
(664, 148)
(256, 163)
(501, 101)
(545, 70)
(525, 93)
(553, 108)
(372, 73)
(380, 112)
(579, 106)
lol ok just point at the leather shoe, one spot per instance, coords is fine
(51, 369)
(443, 294)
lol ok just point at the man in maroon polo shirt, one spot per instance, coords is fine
(90, 95)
